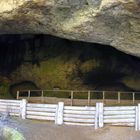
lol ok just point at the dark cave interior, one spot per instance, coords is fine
(106, 65)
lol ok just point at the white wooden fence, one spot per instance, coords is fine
(97, 116)
(41, 111)
(13, 107)
(79, 115)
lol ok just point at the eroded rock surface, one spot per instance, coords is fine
(111, 22)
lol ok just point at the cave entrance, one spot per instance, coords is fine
(51, 62)
(24, 87)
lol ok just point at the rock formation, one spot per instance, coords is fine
(111, 22)
(47, 62)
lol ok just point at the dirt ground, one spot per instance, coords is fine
(36, 130)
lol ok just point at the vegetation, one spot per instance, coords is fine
(11, 134)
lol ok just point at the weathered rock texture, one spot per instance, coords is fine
(111, 22)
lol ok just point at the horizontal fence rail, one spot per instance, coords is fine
(120, 115)
(95, 116)
(71, 97)
(79, 115)
(12, 107)
(41, 111)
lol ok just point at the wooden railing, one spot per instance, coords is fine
(83, 94)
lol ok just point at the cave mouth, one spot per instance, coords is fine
(23, 87)
(47, 61)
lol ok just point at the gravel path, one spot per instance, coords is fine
(36, 130)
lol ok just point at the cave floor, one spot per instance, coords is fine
(40, 130)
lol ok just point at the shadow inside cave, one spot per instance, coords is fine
(104, 67)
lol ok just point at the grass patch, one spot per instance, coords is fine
(11, 134)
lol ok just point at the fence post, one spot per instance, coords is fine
(103, 96)
(101, 121)
(17, 95)
(71, 98)
(96, 115)
(42, 96)
(23, 106)
(133, 97)
(59, 114)
(29, 94)
(119, 97)
(88, 98)
(138, 117)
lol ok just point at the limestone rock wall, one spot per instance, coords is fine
(111, 22)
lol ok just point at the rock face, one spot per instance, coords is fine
(110, 22)
(47, 62)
